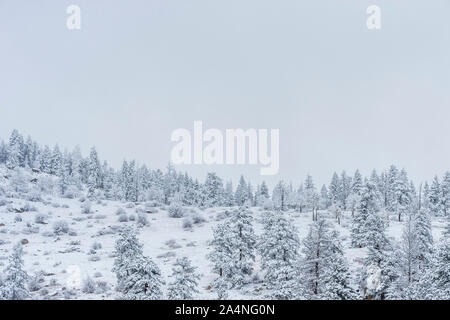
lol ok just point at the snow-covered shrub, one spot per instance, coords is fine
(130, 205)
(96, 245)
(102, 286)
(40, 218)
(142, 219)
(176, 210)
(123, 218)
(71, 192)
(60, 227)
(3, 202)
(35, 281)
(131, 217)
(98, 274)
(172, 244)
(47, 234)
(34, 196)
(18, 183)
(152, 210)
(43, 292)
(88, 285)
(166, 255)
(29, 208)
(222, 215)
(139, 210)
(94, 258)
(18, 218)
(120, 211)
(86, 207)
(30, 229)
(197, 218)
(69, 294)
(151, 204)
(100, 216)
(46, 184)
(187, 223)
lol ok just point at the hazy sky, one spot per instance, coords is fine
(343, 96)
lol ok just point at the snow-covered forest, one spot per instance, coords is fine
(73, 227)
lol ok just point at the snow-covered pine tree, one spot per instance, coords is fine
(45, 164)
(94, 177)
(264, 191)
(300, 201)
(185, 280)
(425, 196)
(214, 192)
(368, 206)
(170, 185)
(279, 246)
(311, 196)
(381, 274)
(336, 279)
(280, 196)
(28, 153)
(228, 195)
(334, 188)
(223, 251)
(75, 167)
(445, 197)
(233, 247)
(434, 199)
(408, 260)
(357, 183)
(403, 197)
(250, 197)
(14, 284)
(324, 201)
(422, 228)
(382, 260)
(138, 277)
(315, 250)
(15, 156)
(13, 159)
(110, 185)
(345, 190)
(127, 175)
(64, 177)
(375, 237)
(241, 194)
(353, 201)
(240, 223)
(435, 284)
(221, 287)
(56, 162)
(391, 181)
(3, 152)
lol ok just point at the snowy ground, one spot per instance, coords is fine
(164, 239)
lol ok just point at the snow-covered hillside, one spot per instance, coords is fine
(67, 241)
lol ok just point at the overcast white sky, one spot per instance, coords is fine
(343, 97)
